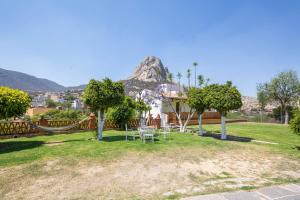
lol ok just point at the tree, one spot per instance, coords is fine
(262, 97)
(13, 103)
(196, 100)
(295, 122)
(180, 100)
(69, 98)
(124, 112)
(188, 75)
(200, 80)
(51, 104)
(284, 89)
(101, 95)
(170, 77)
(223, 98)
(141, 107)
(195, 67)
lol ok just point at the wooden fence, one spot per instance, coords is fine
(207, 118)
(22, 128)
(15, 129)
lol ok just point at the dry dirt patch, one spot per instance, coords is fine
(145, 175)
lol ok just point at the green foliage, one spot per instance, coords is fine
(196, 99)
(62, 115)
(124, 112)
(51, 104)
(170, 77)
(295, 122)
(69, 97)
(223, 98)
(278, 113)
(262, 95)
(13, 103)
(141, 106)
(285, 88)
(101, 95)
(200, 80)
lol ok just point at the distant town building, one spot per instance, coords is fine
(77, 104)
(39, 101)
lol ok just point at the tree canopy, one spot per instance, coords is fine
(284, 89)
(101, 95)
(223, 98)
(262, 95)
(13, 103)
(196, 99)
(124, 112)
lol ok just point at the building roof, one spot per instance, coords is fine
(174, 95)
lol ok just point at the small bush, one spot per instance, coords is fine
(295, 122)
(123, 113)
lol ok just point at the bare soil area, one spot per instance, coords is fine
(177, 173)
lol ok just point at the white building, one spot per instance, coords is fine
(77, 104)
(39, 101)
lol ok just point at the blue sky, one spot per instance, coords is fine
(71, 41)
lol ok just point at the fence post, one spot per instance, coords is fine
(43, 121)
(92, 122)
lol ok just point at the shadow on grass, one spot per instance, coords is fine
(229, 137)
(297, 147)
(116, 138)
(11, 146)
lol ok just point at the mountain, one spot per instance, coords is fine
(148, 75)
(150, 69)
(251, 104)
(27, 82)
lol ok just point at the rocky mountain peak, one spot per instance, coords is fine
(150, 70)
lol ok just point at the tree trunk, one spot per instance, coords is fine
(181, 129)
(101, 120)
(286, 119)
(223, 136)
(281, 118)
(191, 114)
(200, 124)
(261, 116)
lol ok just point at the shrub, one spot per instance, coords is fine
(124, 112)
(13, 103)
(277, 113)
(295, 122)
(62, 115)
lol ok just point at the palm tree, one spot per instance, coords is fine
(179, 76)
(188, 75)
(170, 78)
(195, 65)
(200, 80)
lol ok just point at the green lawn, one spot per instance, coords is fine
(288, 142)
(183, 165)
(83, 146)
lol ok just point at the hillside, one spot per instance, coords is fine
(27, 82)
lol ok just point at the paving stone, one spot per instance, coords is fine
(292, 187)
(242, 195)
(206, 197)
(275, 192)
(294, 197)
